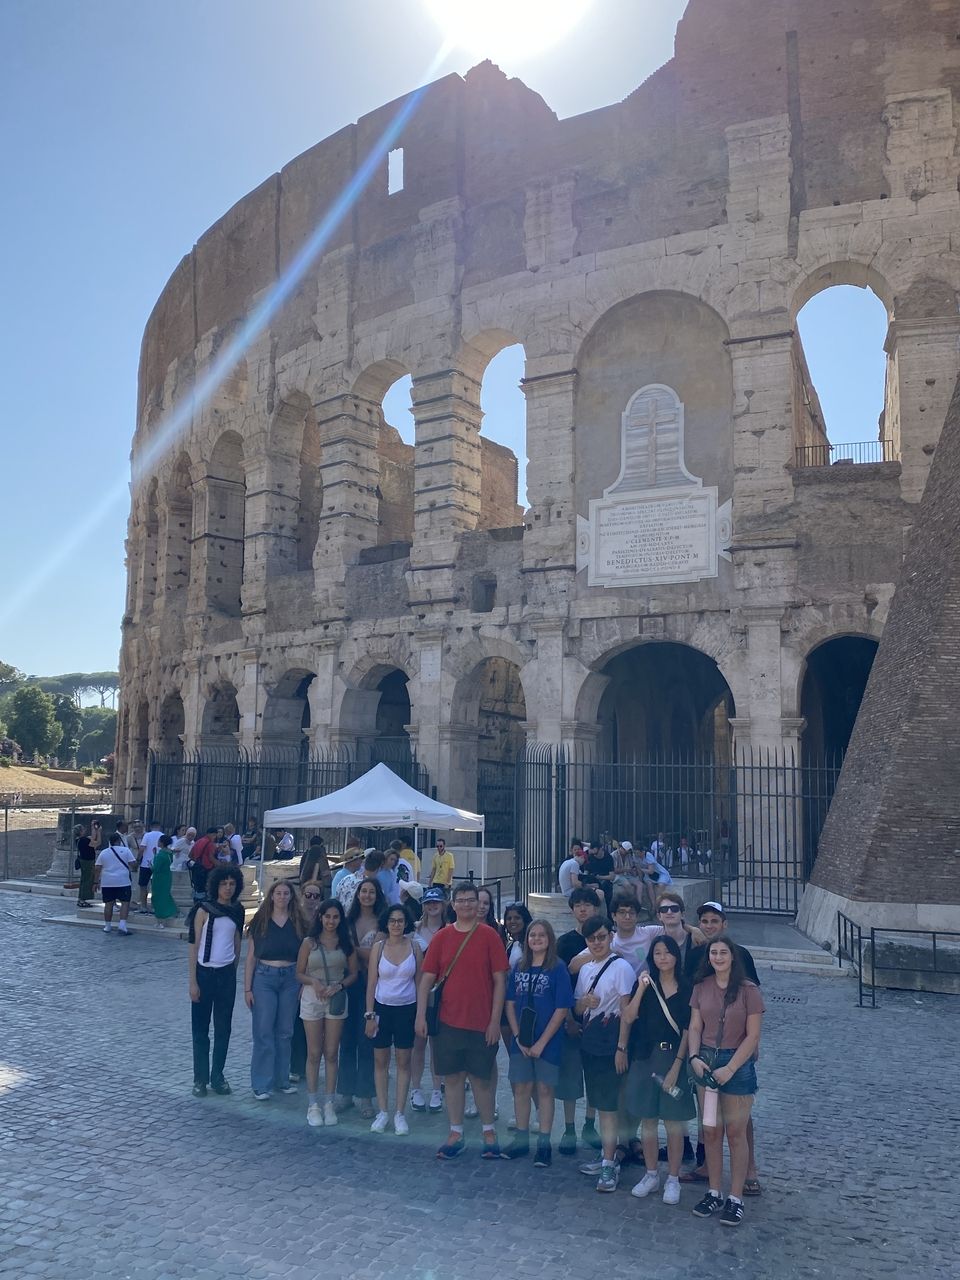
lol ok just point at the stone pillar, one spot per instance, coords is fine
(251, 698)
(350, 469)
(270, 525)
(446, 409)
(320, 696)
(549, 540)
(763, 445)
(924, 365)
(218, 546)
(192, 696)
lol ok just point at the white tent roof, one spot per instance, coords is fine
(378, 799)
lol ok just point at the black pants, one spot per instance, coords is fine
(298, 1049)
(218, 992)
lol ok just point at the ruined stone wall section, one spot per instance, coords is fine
(787, 146)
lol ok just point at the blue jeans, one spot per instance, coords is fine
(275, 996)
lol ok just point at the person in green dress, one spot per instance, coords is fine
(164, 907)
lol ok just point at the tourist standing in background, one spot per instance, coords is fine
(164, 907)
(86, 858)
(442, 867)
(113, 877)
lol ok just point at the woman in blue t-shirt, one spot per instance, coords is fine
(539, 997)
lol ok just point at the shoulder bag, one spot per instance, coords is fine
(435, 994)
(601, 1035)
(337, 1003)
(527, 1022)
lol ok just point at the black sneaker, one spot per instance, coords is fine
(589, 1136)
(708, 1206)
(199, 1090)
(568, 1143)
(518, 1149)
(544, 1156)
(221, 1087)
(731, 1214)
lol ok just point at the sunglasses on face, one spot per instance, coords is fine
(312, 897)
(670, 906)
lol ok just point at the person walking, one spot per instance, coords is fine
(213, 957)
(539, 998)
(725, 1023)
(271, 988)
(149, 843)
(164, 907)
(391, 1011)
(113, 878)
(326, 969)
(469, 960)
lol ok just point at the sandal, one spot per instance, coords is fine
(752, 1187)
(695, 1175)
(367, 1113)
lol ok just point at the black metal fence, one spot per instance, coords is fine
(908, 959)
(752, 824)
(214, 786)
(861, 451)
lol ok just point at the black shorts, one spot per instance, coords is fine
(121, 894)
(570, 1084)
(395, 1026)
(601, 1081)
(143, 879)
(456, 1050)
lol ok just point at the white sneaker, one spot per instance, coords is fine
(106, 928)
(314, 1115)
(436, 1100)
(470, 1108)
(329, 1114)
(671, 1191)
(380, 1122)
(400, 1124)
(262, 1097)
(649, 1182)
(418, 1101)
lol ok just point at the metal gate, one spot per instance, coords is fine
(752, 824)
(496, 798)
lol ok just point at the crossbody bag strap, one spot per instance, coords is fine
(666, 1012)
(125, 865)
(449, 968)
(593, 984)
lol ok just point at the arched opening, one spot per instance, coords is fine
(178, 551)
(170, 727)
(501, 717)
(148, 563)
(845, 387)
(139, 753)
(226, 504)
(391, 737)
(220, 723)
(664, 699)
(286, 716)
(503, 440)
(831, 693)
(395, 455)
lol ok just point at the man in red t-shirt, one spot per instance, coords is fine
(473, 991)
(203, 858)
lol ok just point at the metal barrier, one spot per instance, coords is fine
(851, 942)
(827, 455)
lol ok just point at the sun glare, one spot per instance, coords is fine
(509, 29)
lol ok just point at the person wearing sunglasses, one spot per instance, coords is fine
(311, 895)
(670, 908)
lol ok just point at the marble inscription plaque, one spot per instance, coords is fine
(664, 536)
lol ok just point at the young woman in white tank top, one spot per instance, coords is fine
(391, 1011)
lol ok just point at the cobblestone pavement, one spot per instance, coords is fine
(110, 1168)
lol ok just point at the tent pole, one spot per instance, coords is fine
(483, 851)
(263, 854)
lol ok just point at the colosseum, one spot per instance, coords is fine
(698, 574)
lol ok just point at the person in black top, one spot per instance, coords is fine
(658, 1016)
(271, 987)
(585, 903)
(599, 869)
(712, 920)
(86, 857)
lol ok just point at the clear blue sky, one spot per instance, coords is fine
(129, 127)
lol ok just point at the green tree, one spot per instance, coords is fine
(70, 720)
(10, 677)
(103, 683)
(97, 735)
(32, 720)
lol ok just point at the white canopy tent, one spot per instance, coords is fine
(379, 799)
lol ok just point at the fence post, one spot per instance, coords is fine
(6, 842)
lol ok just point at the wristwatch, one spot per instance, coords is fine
(369, 1017)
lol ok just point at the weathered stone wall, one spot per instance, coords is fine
(668, 239)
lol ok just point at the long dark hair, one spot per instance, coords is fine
(665, 940)
(379, 906)
(344, 931)
(738, 972)
(523, 912)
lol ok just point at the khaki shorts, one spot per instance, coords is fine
(313, 1009)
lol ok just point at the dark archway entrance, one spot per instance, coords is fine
(833, 687)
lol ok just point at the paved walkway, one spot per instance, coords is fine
(110, 1168)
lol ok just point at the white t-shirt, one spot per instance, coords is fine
(566, 875)
(181, 853)
(148, 847)
(223, 946)
(619, 980)
(113, 875)
(236, 844)
(634, 949)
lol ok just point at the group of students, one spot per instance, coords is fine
(655, 1024)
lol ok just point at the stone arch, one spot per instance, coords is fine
(226, 523)
(830, 689)
(178, 543)
(395, 456)
(171, 726)
(220, 719)
(286, 712)
(660, 338)
(375, 709)
(845, 272)
(491, 358)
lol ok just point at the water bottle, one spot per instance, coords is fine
(710, 1101)
(675, 1092)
